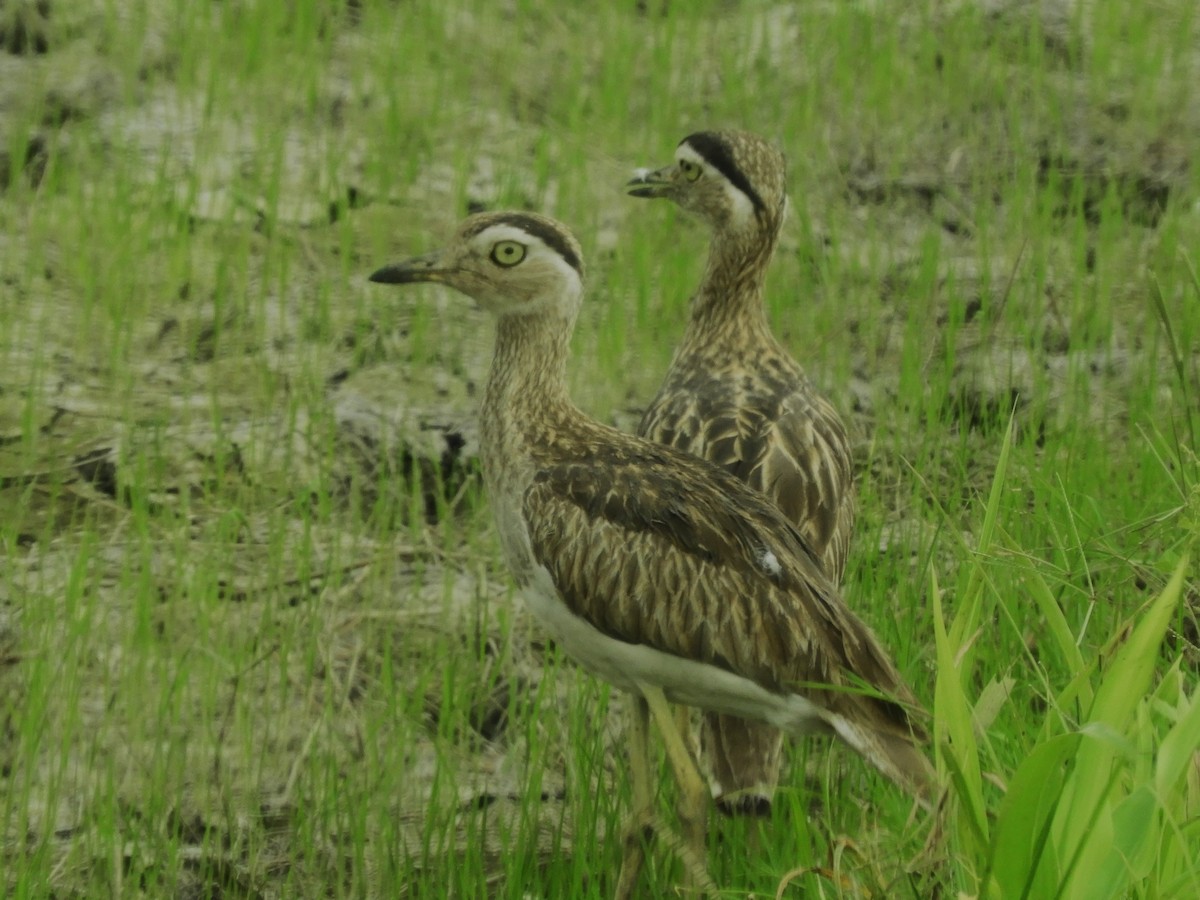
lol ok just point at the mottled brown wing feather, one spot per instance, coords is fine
(804, 466)
(783, 439)
(692, 538)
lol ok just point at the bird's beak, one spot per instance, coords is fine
(651, 184)
(430, 267)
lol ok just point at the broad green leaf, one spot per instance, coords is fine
(1023, 861)
(1084, 830)
(1129, 857)
(1177, 753)
(1128, 677)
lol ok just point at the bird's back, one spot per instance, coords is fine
(762, 420)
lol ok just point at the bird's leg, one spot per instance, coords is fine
(692, 805)
(683, 724)
(693, 795)
(641, 818)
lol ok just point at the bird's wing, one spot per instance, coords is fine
(658, 548)
(805, 466)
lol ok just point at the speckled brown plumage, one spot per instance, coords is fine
(693, 540)
(735, 397)
(651, 567)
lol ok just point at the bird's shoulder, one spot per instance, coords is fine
(695, 507)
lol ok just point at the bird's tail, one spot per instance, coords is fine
(895, 753)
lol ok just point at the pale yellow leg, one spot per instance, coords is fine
(693, 794)
(683, 725)
(642, 820)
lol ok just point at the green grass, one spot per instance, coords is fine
(249, 647)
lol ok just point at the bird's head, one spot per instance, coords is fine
(510, 263)
(734, 180)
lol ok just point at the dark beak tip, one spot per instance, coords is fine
(404, 273)
(386, 275)
(648, 184)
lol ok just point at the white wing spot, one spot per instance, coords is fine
(770, 563)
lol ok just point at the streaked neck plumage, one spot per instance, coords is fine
(526, 417)
(730, 299)
(526, 402)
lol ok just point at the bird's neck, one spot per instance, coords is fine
(730, 298)
(526, 419)
(526, 401)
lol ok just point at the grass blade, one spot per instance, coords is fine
(954, 731)
(1086, 831)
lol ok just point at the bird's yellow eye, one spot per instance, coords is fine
(690, 170)
(508, 253)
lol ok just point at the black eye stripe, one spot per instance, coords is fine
(716, 153)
